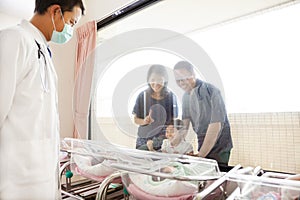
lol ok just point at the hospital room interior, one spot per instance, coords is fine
(248, 50)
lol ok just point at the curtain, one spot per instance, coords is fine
(84, 65)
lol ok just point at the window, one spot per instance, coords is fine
(256, 57)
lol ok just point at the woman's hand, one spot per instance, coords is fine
(148, 119)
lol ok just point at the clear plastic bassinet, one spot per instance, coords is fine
(242, 186)
(145, 175)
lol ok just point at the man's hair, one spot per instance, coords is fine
(184, 65)
(41, 6)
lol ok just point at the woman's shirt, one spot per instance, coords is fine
(144, 103)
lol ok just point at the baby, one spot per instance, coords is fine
(175, 142)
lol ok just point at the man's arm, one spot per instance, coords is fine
(210, 139)
(9, 60)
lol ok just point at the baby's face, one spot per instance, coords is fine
(170, 131)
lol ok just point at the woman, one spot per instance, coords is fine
(154, 108)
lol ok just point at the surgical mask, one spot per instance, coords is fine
(65, 35)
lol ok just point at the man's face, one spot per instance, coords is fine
(73, 17)
(70, 17)
(185, 79)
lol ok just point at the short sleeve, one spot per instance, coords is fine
(138, 108)
(218, 110)
(185, 107)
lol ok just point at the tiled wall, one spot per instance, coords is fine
(269, 140)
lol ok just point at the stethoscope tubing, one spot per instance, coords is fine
(43, 68)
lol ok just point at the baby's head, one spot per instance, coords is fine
(173, 128)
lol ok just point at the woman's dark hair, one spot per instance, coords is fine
(41, 6)
(161, 70)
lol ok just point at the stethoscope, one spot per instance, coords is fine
(43, 67)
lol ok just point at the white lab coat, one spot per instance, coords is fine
(29, 124)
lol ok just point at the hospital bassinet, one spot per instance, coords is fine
(142, 172)
(160, 176)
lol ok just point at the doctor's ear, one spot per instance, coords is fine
(54, 9)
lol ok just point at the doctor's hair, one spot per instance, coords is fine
(184, 65)
(41, 6)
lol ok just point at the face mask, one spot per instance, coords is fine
(65, 35)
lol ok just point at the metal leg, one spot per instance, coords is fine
(63, 168)
(101, 194)
(215, 185)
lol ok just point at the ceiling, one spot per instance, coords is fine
(185, 16)
(206, 12)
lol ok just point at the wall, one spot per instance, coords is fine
(64, 60)
(7, 20)
(269, 140)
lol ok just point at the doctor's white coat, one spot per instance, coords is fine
(29, 124)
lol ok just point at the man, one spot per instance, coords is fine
(29, 124)
(203, 106)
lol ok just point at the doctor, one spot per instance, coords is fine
(29, 124)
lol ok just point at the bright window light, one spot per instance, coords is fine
(257, 58)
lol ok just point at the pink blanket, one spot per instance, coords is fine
(139, 194)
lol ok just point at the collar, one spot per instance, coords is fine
(34, 31)
(198, 83)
